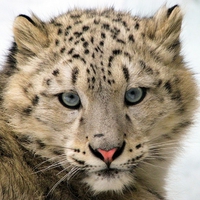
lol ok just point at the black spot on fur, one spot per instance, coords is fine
(117, 20)
(68, 27)
(93, 68)
(175, 45)
(103, 35)
(76, 56)
(77, 34)
(137, 26)
(62, 50)
(117, 52)
(35, 100)
(81, 120)
(168, 87)
(92, 40)
(110, 61)
(109, 82)
(128, 118)
(131, 38)
(88, 71)
(76, 42)
(170, 10)
(127, 55)
(85, 44)
(60, 31)
(126, 73)
(75, 73)
(138, 146)
(93, 79)
(28, 110)
(71, 39)
(149, 71)
(71, 51)
(124, 24)
(79, 161)
(75, 16)
(142, 64)
(24, 139)
(41, 144)
(86, 51)
(66, 32)
(139, 157)
(101, 43)
(56, 72)
(78, 22)
(176, 96)
(57, 42)
(121, 41)
(11, 60)
(159, 83)
(48, 82)
(105, 26)
(85, 28)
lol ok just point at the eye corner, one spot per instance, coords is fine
(134, 96)
(70, 100)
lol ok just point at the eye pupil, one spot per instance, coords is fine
(134, 96)
(70, 100)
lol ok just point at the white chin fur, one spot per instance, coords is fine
(101, 183)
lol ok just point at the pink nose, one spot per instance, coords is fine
(107, 155)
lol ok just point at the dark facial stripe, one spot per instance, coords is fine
(126, 73)
(75, 73)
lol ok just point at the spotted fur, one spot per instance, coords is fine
(50, 150)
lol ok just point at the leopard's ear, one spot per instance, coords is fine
(30, 35)
(165, 27)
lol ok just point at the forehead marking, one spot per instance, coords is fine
(75, 73)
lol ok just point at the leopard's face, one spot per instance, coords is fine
(96, 101)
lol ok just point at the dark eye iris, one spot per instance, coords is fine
(70, 100)
(134, 95)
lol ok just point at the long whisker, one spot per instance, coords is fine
(52, 166)
(57, 183)
(152, 165)
(67, 176)
(50, 160)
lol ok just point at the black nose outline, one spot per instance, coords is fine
(119, 151)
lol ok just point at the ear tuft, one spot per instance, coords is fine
(30, 34)
(28, 18)
(165, 28)
(171, 9)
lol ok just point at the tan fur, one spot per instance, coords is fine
(49, 151)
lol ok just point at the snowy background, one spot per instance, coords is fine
(184, 177)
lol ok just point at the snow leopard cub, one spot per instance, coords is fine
(93, 105)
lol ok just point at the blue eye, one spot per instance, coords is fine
(70, 100)
(134, 95)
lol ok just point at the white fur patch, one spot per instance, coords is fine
(116, 182)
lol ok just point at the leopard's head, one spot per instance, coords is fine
(101, 93)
